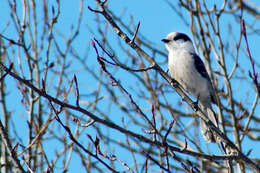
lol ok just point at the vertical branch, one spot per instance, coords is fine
(5, 117)
(77, 90)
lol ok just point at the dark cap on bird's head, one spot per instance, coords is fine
(175, 36)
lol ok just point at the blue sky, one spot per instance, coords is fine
(157, 20)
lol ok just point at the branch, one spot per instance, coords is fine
(6, 73)
(8, 145)
(255, 75)
(136, 31)
(116, 63)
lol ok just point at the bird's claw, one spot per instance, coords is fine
(195, 104)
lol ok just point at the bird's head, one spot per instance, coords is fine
(177, 40)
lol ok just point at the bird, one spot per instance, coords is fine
(187, 68)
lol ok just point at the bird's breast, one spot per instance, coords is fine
(182, 69)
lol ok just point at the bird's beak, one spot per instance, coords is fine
(165, 40)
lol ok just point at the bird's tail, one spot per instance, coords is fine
(208, 134)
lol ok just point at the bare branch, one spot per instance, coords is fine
(135, 33)
(255, 75)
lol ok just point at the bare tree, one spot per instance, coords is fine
(110, 105)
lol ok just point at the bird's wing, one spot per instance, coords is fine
(200, 67)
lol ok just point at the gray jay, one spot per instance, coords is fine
(188, 69)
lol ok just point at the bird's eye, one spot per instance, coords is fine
(181, 36)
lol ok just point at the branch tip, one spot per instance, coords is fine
(135, 33)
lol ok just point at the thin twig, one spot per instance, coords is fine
(255, 75)
(156, 162)
(135, 33)
(77, 90)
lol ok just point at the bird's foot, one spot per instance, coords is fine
(195, 104)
